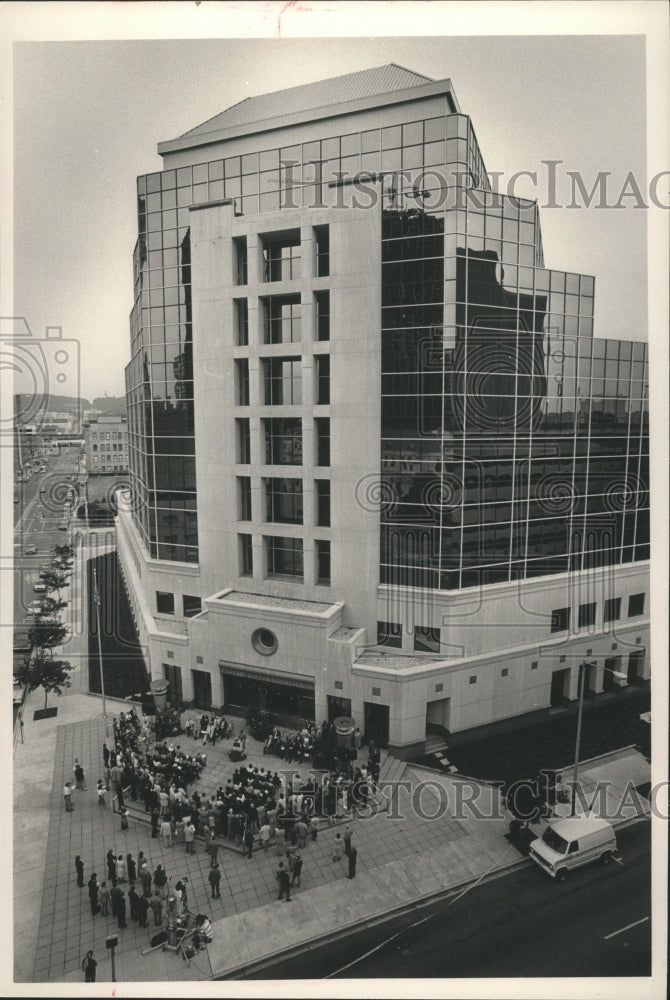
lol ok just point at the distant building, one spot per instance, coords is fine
(106, 444)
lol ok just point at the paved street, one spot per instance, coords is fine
(38, 517)
(522, 924)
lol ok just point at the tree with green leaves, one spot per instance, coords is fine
(42, 671)
(55, 580)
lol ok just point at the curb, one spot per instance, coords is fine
(374, 920)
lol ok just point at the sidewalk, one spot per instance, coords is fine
(401, 861)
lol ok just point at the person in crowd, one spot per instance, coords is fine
(142, 905)
(121, 910)
(249, 841)
(214, 879)
(283, 879)
(166, 832)
(131, 868)
(337, 847)
(120, 869)
(79, 868)
(213, 851)
(132, 902)
(204, 932)
(156, 904)
(189, 838)
(93, 890)
(111, 864)
(264, 835)
(145, 879)
(67, 796)
(297, 869)
(353, 854)
(161, 881)
(301, 831)
(103, 898)
(100, 792)
(348, 834)
(88, 967)
(78, 772)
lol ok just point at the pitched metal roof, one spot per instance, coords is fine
(308, 96)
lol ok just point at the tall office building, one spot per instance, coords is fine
(381, 465)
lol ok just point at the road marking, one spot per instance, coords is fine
(626, 928)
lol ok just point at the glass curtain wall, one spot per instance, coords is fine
(514, 444)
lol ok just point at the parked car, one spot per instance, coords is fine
(30, 550)
(35, 607)
(62, 526)
(39, 588)
(571, 843)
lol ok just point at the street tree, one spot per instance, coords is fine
(66, 551)
(44, 672)
(50, 607)
(55, 580)
(47, 635)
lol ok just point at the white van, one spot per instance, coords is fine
(571, 843)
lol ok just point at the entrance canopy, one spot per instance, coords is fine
(268, 677)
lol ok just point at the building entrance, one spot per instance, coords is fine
(172, 674)
(609, 681)
(438, 715)
(202, 689)
(295, 704)
(376, 723)
(559, 680)
(635, 667)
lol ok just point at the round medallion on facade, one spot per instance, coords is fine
(264, 641)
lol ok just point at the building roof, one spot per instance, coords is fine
(289, 603)
(307, 96)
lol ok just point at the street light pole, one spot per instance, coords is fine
(582, 671)
(96, 598)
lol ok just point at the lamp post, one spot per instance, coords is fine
(96, 598)
(581, 682)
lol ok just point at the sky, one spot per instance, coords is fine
(89, 114)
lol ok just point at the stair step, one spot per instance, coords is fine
(435, 743)
(392, 769)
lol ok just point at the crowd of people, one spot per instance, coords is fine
(257, 808)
